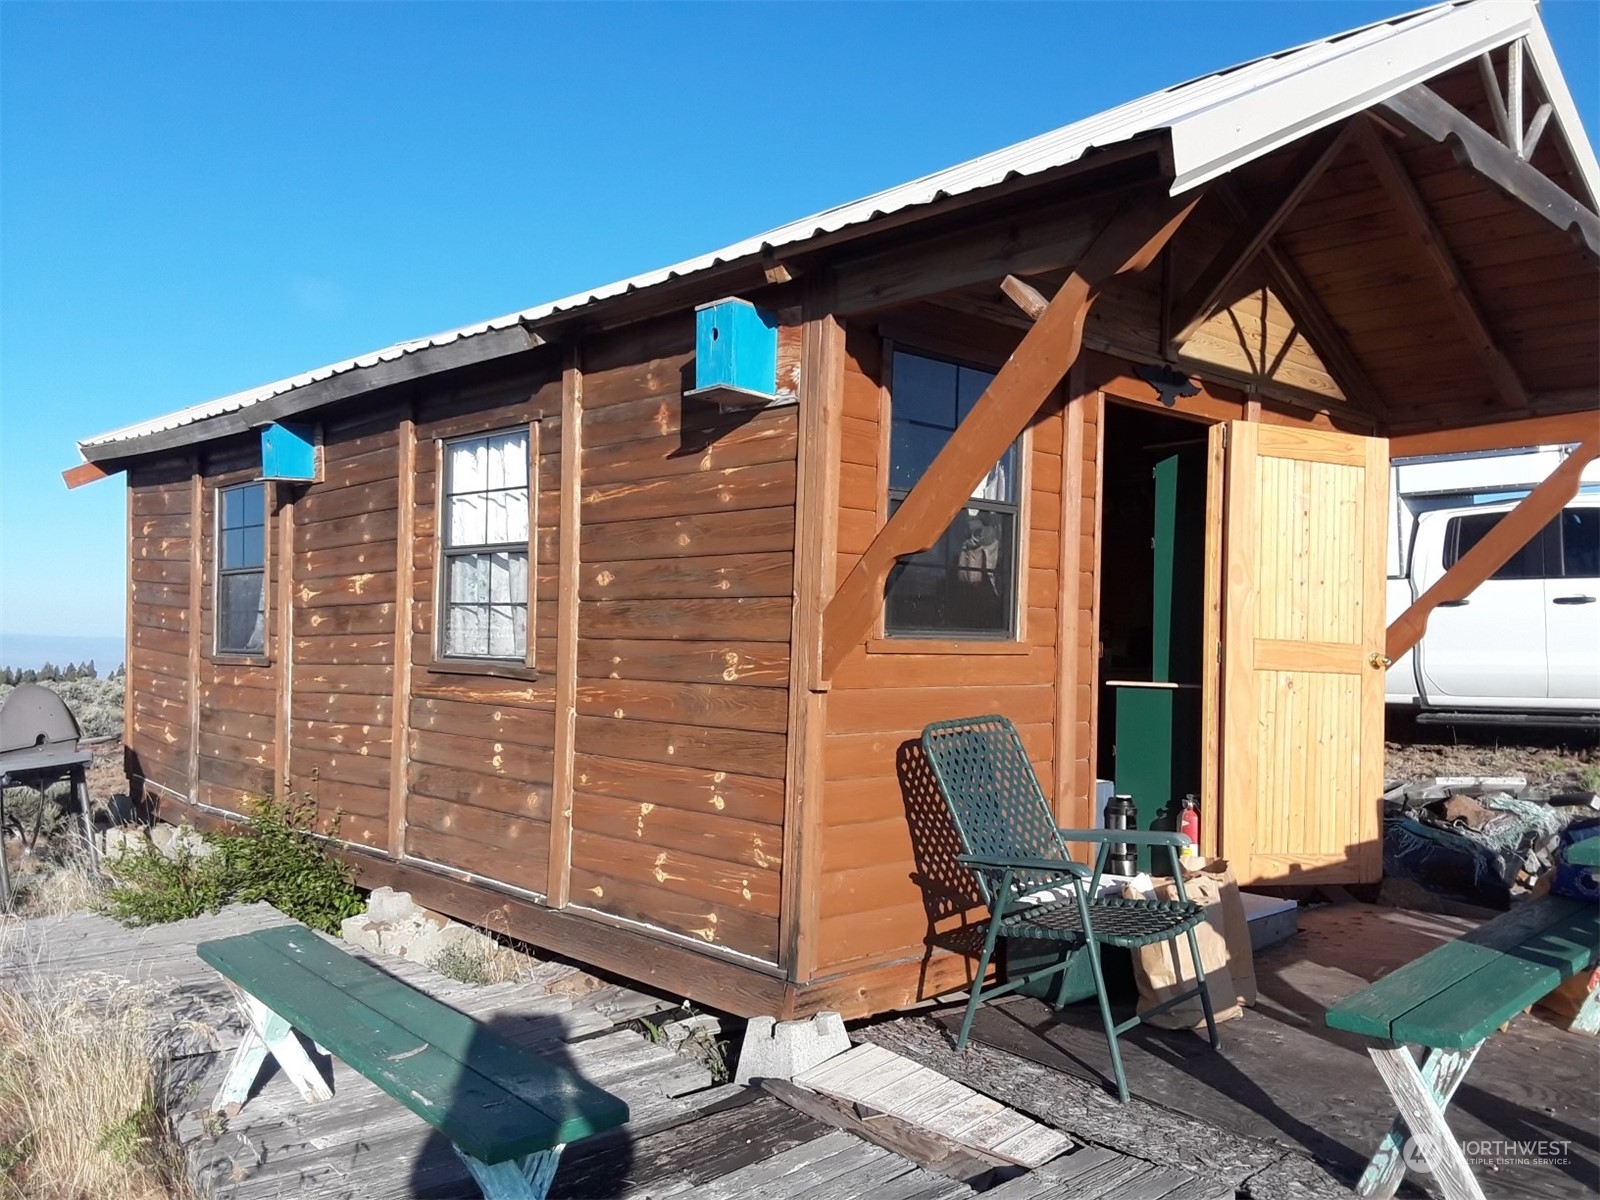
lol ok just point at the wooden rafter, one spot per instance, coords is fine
(76, 477)
(1128, 243)
(1510, 534)
(1514, 94)
(1210, 290)
(1325, 336)
(1541, 117)
(1497, 102)
(1414, 215)
(1318, 328)
(1422, 110)
(1025, 296)
(1499, 435)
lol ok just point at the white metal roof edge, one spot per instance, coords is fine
(1217, 122)
(1351, 73)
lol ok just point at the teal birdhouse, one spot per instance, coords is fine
(289, 453)
(736, 353)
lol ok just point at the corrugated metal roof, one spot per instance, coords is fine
(1215, 124)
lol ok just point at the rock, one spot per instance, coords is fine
(579, 983)
(171, 840)
(123, 839)
(190, 839)
(782, 1050)
(428, 943)
(386, 904)
(359, 931)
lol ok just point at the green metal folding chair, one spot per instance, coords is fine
(1016, 850)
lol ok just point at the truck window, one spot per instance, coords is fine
(1466, 532)
(1580, 543)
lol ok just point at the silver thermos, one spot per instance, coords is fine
(1121, 813)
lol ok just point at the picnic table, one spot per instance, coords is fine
(1450, 1002)
(506, 1111)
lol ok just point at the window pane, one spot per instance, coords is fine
(254, 504)
(1000, 484)
(499, 579)
(508, 627)
(232, 508)
(469, 579)
(1580, 542)
(467, 466)
(507, 516)
(508, 460)
(929, 399)
(1526, 563)
(965, 585)
(469, 520)
(254, 546)
(241, 626)
(466, 631)
(912, 449)
(970, 386)
(924, 390)
(232, 549)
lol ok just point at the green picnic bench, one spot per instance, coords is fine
(1450, 1002)
(507, 1112)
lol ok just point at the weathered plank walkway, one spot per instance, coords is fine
(1287, 1110)
(686, 1138)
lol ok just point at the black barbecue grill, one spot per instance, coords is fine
(39, 747)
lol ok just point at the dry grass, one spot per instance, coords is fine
(49, 889)
(81, 1113)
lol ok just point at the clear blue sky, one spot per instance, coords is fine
(198, 198)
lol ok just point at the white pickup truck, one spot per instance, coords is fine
(1525, 645)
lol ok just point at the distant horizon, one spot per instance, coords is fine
(30, 651)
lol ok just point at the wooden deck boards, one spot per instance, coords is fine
(686, 1137)
(1288, 1108)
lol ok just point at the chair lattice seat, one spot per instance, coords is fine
(1014, 848)
(1115, 922)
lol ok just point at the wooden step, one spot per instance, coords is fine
(873, 1077)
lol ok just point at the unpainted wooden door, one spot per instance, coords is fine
(1302, 634)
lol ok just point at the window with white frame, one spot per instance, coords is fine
(241, 592)
(966, 585)
(485, 525)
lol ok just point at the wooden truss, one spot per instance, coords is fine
(1510, 534)
(1420, 109)
(1129, 242)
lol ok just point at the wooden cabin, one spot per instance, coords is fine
(611, 624)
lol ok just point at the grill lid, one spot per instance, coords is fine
(37, 731)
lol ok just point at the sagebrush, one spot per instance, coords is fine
(276, 856)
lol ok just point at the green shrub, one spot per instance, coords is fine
(276, 857)
(279, 859)
(152, 889)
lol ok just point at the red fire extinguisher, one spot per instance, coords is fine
(1189, 825)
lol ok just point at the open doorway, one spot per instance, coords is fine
(1152, 609)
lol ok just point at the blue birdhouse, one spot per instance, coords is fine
(736, 353)
(289, 453)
